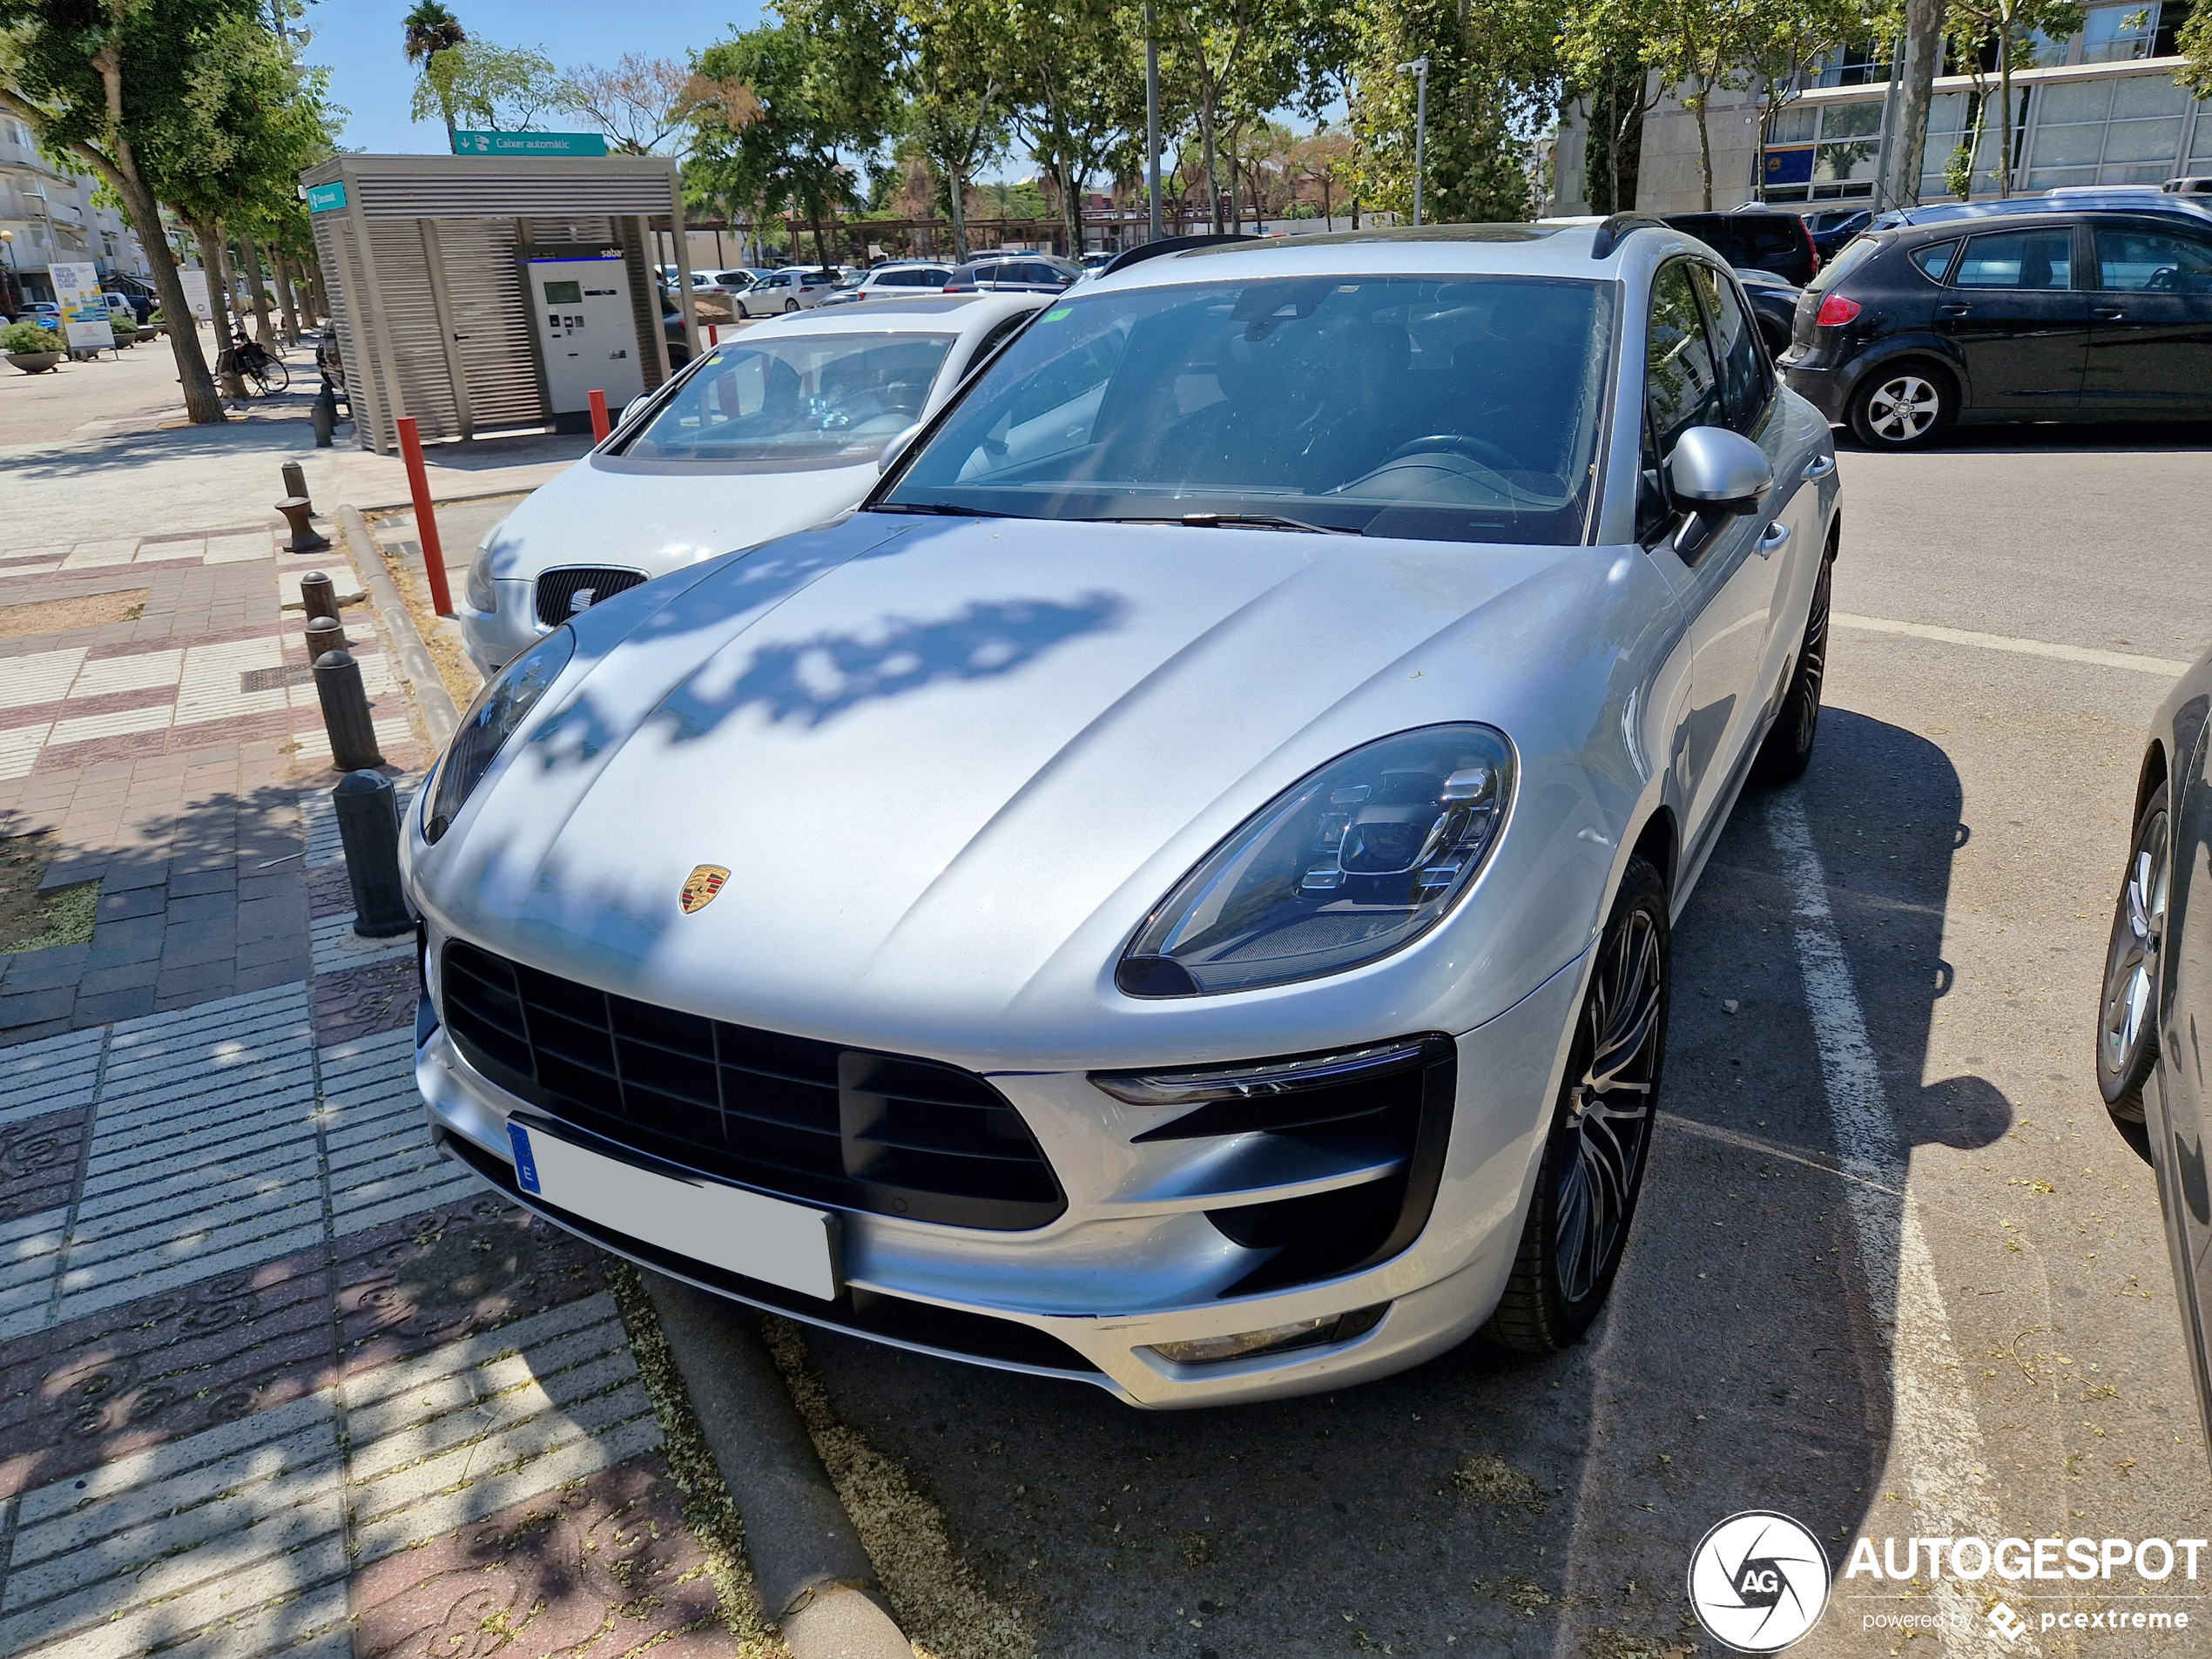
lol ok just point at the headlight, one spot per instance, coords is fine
(499, 708)
(478, 587)
(1359, 859)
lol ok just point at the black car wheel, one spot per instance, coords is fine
(1902, 405)
(790, 306)
(1593, 1164)
(2128, 1010)
(1788, 749)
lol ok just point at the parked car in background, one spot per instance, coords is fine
(1757, 238)
(1774, 304)
(891, 278)
(2155, 1003)
(672, 329)
(1014, 274)
(1040, 918)
(773, 431)
(1833, 228)
(794, 288)
(2054, 314)
(2068, 199)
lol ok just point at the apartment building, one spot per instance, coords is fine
(2099, 107)
(48, 214)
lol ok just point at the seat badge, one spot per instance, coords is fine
(700, 886)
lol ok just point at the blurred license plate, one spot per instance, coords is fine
(727, 1227)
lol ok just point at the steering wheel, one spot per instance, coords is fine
(2165, 279)
(1474, 449)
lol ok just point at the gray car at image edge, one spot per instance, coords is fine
(1174, 891)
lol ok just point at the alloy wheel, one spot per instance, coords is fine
(1609, 1106)
(2131, 962)
(1904, 408)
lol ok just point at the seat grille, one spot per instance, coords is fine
(559, 592)
(810, 1119)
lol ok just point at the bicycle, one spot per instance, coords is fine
(250, 363)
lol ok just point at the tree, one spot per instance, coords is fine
(1787, 38)
(1075, 69)
(1605, 58)
(2005, 31)
(639, 104)
(960, 113)
(1698, 47)
(98, 79)
(503, 88)
(1211, 48)
(426, 32)
(2197, 44)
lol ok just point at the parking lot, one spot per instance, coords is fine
(1964, 1324)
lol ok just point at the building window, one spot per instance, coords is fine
(1823, 153)
(2118, 34)
(2126, 132)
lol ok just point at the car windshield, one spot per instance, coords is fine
(1421, 407)
(796, 397)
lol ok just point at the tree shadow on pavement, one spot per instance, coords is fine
(1496, 1504)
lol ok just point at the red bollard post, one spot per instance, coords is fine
(425, 522)
(714, 333)
(600, 425)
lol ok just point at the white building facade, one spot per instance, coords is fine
(2102, 107)
(50, 215)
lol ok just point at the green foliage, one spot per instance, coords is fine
(28, 336)
(430, 30)
(478, 84)
(2197, 45)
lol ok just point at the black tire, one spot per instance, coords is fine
(2128, 1002)
(1904, 405)
(275, 377)
(1601, 1132)
(790, 306)
(1787, 748)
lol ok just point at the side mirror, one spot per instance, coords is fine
(1716, 474)
(628, 410)
(894, 450)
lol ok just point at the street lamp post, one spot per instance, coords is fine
(1419, 69)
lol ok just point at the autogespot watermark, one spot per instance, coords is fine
(1759, 1582)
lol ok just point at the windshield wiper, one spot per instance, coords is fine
(1262, 521)
(936, 507)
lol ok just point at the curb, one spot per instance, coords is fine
(814, 1577)
(439, 715)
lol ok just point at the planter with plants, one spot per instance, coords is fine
(127, 331)
(154, 325)
(31, 347)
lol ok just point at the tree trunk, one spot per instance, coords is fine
(1213, 177)
(252, 255)
(957, 198)
(2004, 107)
(209, 234)
(1705, 151)
(1916, 91)
(285, 297)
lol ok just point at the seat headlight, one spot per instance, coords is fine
(500, 708)
(1355, 861)
(478, 587)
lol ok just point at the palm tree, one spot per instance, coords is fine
(431, 28)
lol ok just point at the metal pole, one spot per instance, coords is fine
(1151, 123)
(426, 519)
(1419, 69)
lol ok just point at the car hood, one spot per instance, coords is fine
(656, 520)
(949, 765)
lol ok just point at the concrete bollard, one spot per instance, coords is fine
(324, 414)
(325, 635)
(304, 537)
(295, 479)
(318, 595)
(368, 826)
(345, 712)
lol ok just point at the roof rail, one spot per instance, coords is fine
(1609, 233)
(1144, 251)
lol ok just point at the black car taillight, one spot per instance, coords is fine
(1836, 310)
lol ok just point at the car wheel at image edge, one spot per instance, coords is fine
(1787, 748)
(2127, 1007)
(1903, 406)
(1594, 1157)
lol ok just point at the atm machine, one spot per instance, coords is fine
(587, 334)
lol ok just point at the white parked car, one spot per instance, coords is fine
(775, 430)
(796, 287)
(893, 278)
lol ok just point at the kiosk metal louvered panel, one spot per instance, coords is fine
(412, 327)
(491, 322)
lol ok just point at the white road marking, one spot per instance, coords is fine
(2021, 647)
(1936, 1454)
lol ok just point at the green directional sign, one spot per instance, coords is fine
(322, 198)
(529, 143)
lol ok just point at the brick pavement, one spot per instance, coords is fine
(274, 1376)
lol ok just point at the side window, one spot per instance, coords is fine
(2134, 262)
(2017, 260)
(1934, 259)
(1744, 373)
(997, 337)
(1681, 388)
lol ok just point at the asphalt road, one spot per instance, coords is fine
(1962, 828)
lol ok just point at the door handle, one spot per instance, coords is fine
(1819, 466)
(1953, 310)
(2106, 314)
(1777, 533)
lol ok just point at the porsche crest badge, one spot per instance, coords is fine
(700, 886)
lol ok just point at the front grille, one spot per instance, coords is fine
(809, 1120)
(563, 593)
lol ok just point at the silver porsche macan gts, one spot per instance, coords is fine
(1174, 891)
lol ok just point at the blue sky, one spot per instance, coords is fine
(359, 42)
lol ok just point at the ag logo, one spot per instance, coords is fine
(700, 886)
(1759, 1582)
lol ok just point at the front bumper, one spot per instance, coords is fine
(1134, 1261)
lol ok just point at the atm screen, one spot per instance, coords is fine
(564, 294)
